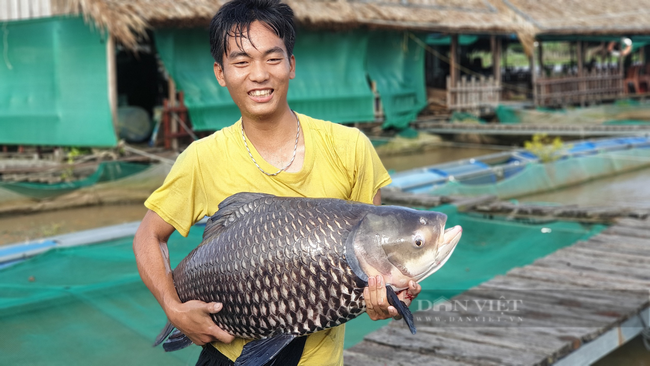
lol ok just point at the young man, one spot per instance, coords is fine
(271, 149)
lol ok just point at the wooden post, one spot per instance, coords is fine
(453, 71)
(453, 66)
(495, 44)
(173, 104)
(533, 75)
(581, 73)
(111, 68)
(621, 70)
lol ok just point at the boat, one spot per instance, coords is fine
(521, 172)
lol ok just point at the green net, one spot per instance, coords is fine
(330, 80)
(105, 172)
(396, 64)
(54, 84)
(87, 305)
(537, 177)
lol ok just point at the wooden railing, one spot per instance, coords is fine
(595, 86)
(473, 94)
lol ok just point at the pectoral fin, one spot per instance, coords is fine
(262, 351)
(401, 307)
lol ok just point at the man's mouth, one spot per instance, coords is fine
(260, 92)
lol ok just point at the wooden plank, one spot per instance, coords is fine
(595, 266)
(574, 277)
(610, 253)
(629, 222)
(519, 339)
(629, 231)
(609, 341)
(453, 348)
(372, 354)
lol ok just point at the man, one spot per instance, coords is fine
(270, 150)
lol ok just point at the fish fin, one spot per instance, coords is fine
(177, 340)
(163, 334)
(261, 351)
(353, 261)
(401, 307)
(229, 211)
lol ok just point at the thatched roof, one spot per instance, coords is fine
(125, 19)
(585, 17)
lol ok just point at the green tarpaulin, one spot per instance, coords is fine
(330, 81)
(332, 76)
(54, 84)
(396, 63)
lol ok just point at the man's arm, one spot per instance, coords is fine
(152, 257)
(377, 305)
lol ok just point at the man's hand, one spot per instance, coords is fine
(193, 319)
(377, 305)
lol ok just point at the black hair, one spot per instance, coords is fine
(235, 18)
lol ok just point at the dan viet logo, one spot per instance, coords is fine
(444, 310)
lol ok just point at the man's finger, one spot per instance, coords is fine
(214, 307)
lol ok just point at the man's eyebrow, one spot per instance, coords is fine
(275, 49)
(235, 54)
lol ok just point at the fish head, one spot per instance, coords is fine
(403, 244)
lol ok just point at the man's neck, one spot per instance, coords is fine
(271, 132)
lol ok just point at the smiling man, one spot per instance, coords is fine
(271, 149)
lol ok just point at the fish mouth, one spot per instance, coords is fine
(450, 238)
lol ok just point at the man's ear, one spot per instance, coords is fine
(218, 73)
(292, 67)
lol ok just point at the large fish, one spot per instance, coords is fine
(288, 267)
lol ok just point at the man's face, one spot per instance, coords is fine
(257, 77)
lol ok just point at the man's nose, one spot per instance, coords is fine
(258, 73)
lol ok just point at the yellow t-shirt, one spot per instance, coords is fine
(340, 162)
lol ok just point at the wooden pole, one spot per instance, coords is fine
(172, 104)
(452, 98)
(111, 68)
(454, 70)
(581, 73)
(533, 76)
(495, 45)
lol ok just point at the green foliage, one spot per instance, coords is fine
(545, 148)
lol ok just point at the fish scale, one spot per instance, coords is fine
(273, 261)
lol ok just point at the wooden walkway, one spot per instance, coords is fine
(569, 308)
(438, 127)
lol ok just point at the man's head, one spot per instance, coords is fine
(234, 19)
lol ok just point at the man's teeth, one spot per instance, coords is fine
(260, 93)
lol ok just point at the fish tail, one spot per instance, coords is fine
(163, 334)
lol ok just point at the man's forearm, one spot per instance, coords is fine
(153, 265)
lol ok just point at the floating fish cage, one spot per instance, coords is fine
(468, 176)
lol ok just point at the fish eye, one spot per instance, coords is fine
(418, 241)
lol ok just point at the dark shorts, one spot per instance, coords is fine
(289, 356)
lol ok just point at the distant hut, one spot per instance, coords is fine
(596, 65)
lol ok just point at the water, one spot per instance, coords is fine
(439, 155)
(631, 189)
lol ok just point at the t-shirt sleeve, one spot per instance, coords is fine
(181, 200)
(370, 174)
